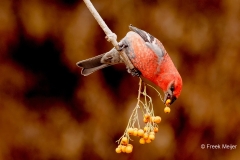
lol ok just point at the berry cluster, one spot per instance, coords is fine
(147, 134)
(124, 147)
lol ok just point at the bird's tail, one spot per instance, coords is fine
(92, 64)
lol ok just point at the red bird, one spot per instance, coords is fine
(148, 56)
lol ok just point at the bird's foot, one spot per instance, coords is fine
(134, 72)
(122, 45)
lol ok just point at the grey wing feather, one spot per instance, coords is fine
(145, 36)
(156, 49)
(150, 41)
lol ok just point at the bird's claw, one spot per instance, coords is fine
(134, 72)
(122, 45)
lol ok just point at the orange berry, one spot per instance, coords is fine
(151, 137)
(145, 135)
(118, 150)
(152, 133)
(123, 149)
(167, 109)
(148, 140)
(145, 120)
(157, 119)
(130, 131)
(155, 129)
(130, 145)
(135, 132)
(146, 129)
(140, 132)
(129, 149)
(124, 141)
(147, 116)
(168, 101)
(135, 129)
(152, 119)
(142, 141)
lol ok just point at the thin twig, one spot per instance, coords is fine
(156, 91)
(111, 37)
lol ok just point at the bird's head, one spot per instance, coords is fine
(173, 89)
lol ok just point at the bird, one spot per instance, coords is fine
(149, 58)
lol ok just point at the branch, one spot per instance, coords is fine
(110, 36)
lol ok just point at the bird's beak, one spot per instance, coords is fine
(169, 99)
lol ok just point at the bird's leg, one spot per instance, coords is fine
(134, 72)
(122, 45)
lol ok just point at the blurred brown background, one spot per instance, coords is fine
(49, 111)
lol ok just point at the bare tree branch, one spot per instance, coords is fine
(110, 36)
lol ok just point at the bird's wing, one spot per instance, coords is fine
(145, 36)
(151, 41)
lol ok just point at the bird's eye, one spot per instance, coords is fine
(172, 88)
